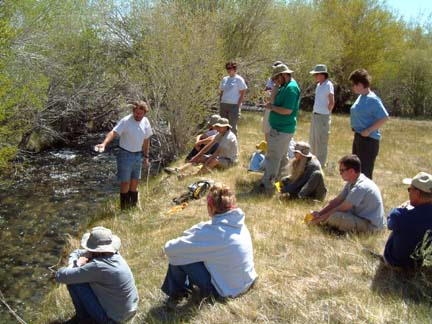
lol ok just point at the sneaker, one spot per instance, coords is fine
(171, 170)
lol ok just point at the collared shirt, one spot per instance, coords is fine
(366, 199)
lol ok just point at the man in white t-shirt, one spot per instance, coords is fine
(323, 106)
(232, 89)
(135, 132)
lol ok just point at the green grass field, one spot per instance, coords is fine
(306, 275)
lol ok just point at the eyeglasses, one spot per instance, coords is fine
(342, 170)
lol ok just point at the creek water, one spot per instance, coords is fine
(57, 193)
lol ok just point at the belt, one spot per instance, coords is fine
(130, 151)
(315, 113)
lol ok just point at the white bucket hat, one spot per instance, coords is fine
(101, 239)
(319, 68)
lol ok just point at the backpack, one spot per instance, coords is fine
(196, 190)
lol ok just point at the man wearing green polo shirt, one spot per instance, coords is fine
(283, 121)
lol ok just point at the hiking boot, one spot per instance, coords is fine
(171, 170)
(173, 301)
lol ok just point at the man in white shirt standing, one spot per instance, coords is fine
(135, 132)
(232, 90)
(323, 106)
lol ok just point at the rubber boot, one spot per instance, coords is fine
(124, 200)
(133, 196)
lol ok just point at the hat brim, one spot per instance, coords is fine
(112, 248)
(407, 181)
(318, 72)
(308, 155)
(283, 72)
(223, 125)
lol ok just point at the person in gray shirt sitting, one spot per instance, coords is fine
(99, 280)
(358, 207)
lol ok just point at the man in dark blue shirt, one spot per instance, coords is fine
(410, 222)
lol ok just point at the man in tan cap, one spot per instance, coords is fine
(283, 122)
(410, 222)
(225, 156)
(99, 280)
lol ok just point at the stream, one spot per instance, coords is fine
(58, 193)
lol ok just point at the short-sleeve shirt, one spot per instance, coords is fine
(133, 133)
(288, 97)
(408, 226)
(231, 87)
(366, 110)
(366, 199)
(228, 147)
(322, 92)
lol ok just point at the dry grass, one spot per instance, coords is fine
(306, 275)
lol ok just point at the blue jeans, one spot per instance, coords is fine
(129, 165)
(86, 304)
(179, 278)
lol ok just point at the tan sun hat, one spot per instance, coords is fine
(101, 239)
(223, 122)
(213, 119)
(279, 69)
(303, 148)
(422, 181)
(319, 68)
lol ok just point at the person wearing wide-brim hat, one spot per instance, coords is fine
(305, 179)
(410, 224)
(271, 89)
(283, 122)
(225, 156)
(205, 138)
(322, 108)
(99, 280)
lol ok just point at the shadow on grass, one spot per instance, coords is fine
(180, 314)
(162, 314)
(415, 286)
